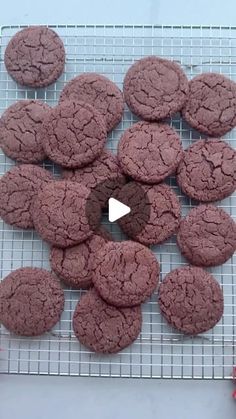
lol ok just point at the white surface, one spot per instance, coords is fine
(116, 210)
(48, 397)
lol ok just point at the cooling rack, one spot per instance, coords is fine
(159, 351)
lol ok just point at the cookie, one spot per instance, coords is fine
(99, 92)
(31, 301)
(18, 188)
(74, 264)
(191, 300)
(154, 218)
(211, 104)
(149, 152)
(155, 88)
(73, 134)
(103, 176)
(125, 274)
(207, 171)
(104, 328)
(207, 236)
(19, 126)
(35, 56)
(65, 213)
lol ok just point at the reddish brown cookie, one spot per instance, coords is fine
(18, 188)
(207, 236)
(207, 171)
(74, 264)
(149, 152)
(154, 216)
(155, 88)
(65, 213)
(211, 104)
(35, 56)
(191, 300)
(104, 328)
(19, 125)
(99, 92)
(103, 176)
(125, 274)
(73, 134)
(31, 301)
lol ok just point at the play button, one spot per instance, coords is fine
(116, 210)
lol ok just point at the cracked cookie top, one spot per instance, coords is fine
(211, 104)
(35, 56)
(207, 236)
(155, 88)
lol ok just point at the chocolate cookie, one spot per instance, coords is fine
(99, 92)
(208, 170)
(35, 56)
(154, 218)
(104, 328)
(103, 176)
(73, 134)
(207, 236)
(74, 264)
(65, 213)
(149, 152)
(155, 88)
(125, 274)
(18, 188)
(191, 300)
(211, 104)
(31, 301)
(19, 126)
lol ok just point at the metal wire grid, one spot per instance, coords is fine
(159, 351)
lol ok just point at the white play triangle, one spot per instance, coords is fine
(116, 209)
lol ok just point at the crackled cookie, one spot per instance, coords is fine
(74, 265)
(149, 152)
(19, 125)
(104, 328)
(73, 134)
(35, 56)
(191, 300)
(31, 301)
(155, 88)
(211, 104)
(155, 212)
(18, 188)
(207, 236)
(125, 274)
(207, 171)
(103, 176)
(99, 92)
(65, 213)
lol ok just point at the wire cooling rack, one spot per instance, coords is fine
(159, 351)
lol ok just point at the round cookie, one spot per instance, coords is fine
(18, 188)
(207, 236)
(155, 88)
(73, 134)
(99, 92)
(19, 124)
(125, 274)
(103, 176)
(149, 152)
(104, 328)
(65, 213)
(35, 56)
(74, 264)
(191, 300)
(31, 301)
(153, 219)
(207, 171)
(211, 104)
